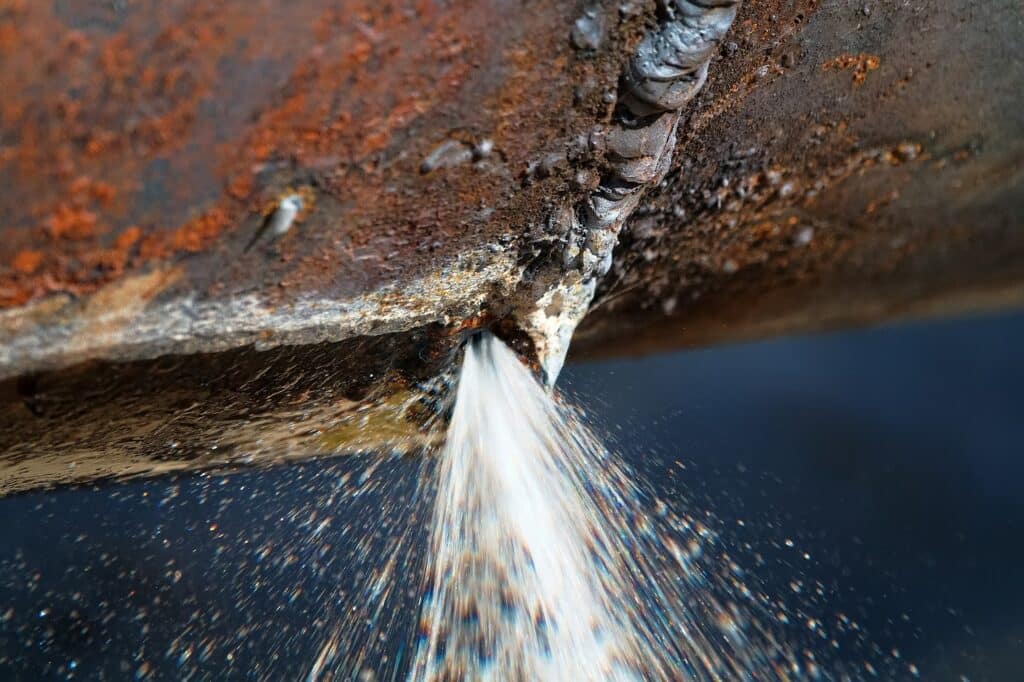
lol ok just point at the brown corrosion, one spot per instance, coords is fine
(860, 64)
(803, 201)
(165, 127)
(838, 168)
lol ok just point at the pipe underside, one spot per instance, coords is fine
(239, 233)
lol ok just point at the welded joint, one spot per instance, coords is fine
(666, 71)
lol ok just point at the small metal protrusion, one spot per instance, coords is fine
(281, 220)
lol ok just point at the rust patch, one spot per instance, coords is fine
(802, 202)
(26, 262)
(860, 64)
(165, 128)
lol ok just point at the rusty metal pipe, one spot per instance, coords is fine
(836, 168)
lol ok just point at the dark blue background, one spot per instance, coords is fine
(891, 457)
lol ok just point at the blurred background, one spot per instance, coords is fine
(881, 468)
(892, 456)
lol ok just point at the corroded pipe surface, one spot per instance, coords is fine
(846, 163)
(253, 231)
(146, 145)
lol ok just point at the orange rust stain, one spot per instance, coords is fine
(361, 73)
(84, 188)
(26, 262)
(68, 222)
(241, 187)
(111, 104)
(103, 193)
(861, 64)
(127, 239)
(191, 237)
(379, 62)
(77, 158)
(8, 38)
(76, 217)
(195, 234)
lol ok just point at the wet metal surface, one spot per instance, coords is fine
(878, 498)
(222, 410)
